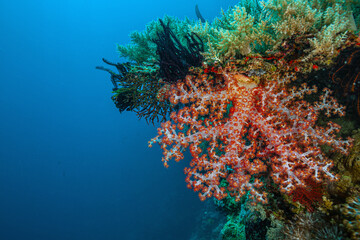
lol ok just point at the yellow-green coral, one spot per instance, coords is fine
(350, 165)
(292, 17)
(235, 33)
(328, 22)
(233, 229)
(351, 211)
(332, 34)
(244, 30)
(250, 27)
(326, 205)
(352, 161)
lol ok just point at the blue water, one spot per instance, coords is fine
(72, 167)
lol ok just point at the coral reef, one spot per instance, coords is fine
(251, 28)
(279, 158)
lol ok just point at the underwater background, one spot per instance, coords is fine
(264, 99)
(72, 167)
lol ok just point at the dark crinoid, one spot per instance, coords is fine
(116, 78)
(175, 59)
(346, 76)
(135, 89)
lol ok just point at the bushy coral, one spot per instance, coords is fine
(349, 168)
(330, 232)
(251, 28)
(351, 210)
(308, 195)
(244, 132)
(312, 226)
(235, 34)
(352, 161)
(301, 227)
(233, 229)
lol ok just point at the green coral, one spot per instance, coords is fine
(142, 48)
(252, 27)
(234, 228)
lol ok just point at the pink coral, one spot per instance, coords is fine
(244, 132)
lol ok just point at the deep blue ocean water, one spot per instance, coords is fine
(72, 167)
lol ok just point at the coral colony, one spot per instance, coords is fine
(241, 131)
(258, 98)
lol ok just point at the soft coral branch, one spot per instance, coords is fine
(268, 130)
